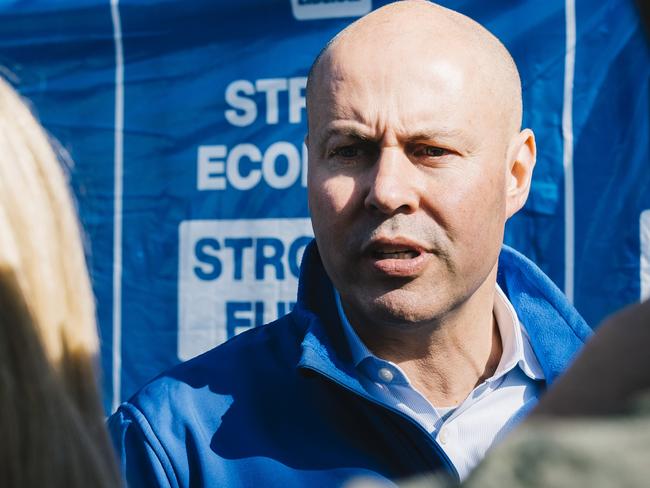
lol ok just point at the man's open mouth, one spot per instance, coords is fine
(395, 254)
(397, 257)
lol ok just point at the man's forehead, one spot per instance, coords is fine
(438, 45)
(419, 96)
(368, 71)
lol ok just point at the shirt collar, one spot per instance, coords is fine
(517, 350)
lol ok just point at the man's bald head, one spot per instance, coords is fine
(419, 28)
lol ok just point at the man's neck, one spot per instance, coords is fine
(444, 360)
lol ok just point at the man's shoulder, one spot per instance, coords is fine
(264, 353)
(232, 392)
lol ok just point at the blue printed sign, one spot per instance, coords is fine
(186, 123)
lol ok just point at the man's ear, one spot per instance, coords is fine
(522, 156)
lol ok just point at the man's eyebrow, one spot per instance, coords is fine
(349, 132)
(359, 134)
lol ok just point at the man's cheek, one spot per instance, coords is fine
(338, 195)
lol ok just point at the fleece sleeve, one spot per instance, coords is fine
(142, 459)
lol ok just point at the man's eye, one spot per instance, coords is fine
(347, 152)
(431, 151)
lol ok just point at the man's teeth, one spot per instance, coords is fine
(405, 254)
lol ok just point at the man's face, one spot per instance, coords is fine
(407, 184)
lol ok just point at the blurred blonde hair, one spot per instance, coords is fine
(51, 418)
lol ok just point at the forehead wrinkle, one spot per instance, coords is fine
(434, 134)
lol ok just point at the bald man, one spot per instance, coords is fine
(418, 339)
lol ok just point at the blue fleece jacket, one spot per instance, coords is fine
(279, 405)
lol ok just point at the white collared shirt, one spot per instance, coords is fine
(467, 431)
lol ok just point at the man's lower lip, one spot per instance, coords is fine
(399, 267)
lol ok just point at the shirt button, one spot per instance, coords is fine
(442, 437)
(386, 375)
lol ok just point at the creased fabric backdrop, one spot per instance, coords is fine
(185, 121)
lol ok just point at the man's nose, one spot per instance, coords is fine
(393, 185)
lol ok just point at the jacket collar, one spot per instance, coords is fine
(324, 347)
(555, 328)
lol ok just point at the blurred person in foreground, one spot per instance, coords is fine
(418, 339)
(51, 420)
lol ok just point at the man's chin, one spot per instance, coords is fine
(401, 309)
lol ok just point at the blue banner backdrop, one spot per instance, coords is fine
(186, 120)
